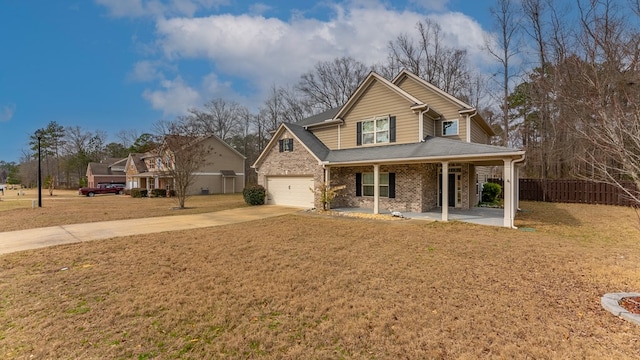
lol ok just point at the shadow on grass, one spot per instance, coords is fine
(534, 214)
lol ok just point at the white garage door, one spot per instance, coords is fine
(291, 191)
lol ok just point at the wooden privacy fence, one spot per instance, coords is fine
(573, 191)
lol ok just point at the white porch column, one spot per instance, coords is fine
(507, 192)
(327, 182)
(445, 191)
(376, 189)
(516, 181)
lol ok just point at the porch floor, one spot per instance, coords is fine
(476, 215)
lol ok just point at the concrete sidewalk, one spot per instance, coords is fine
(13, 241)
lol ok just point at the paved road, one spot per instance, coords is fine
(12, 241)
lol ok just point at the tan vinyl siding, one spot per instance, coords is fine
(429, 127)
(462, 128)
(448, 109)
(328, 136)
(477, 134)
(378, 100)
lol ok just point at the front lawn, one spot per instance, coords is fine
(67, 207)
(309, 286)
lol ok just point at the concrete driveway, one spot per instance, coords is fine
(12, 241)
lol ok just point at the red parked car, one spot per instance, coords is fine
(102, 189)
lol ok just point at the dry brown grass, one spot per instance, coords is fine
(67, 207)
(309, 286)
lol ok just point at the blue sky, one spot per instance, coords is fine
(113, 65)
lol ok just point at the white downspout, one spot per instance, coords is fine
(516, 205)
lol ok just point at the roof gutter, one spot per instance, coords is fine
(425, 108)
(493, 156)
(328, 122)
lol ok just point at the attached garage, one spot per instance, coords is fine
(290, 191)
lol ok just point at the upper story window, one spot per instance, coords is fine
(449, 127)
(285, 145)
(376, 131)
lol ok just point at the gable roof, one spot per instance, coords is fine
(176, 142)
(137, 160)
(308, 140)
(464, 107)
(373, 77)
(107, 167)
(432, 87)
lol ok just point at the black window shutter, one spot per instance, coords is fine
(291, 147)
(281, 145)
(392, 129)
(392, 185)
(359, 133)
(358, 184)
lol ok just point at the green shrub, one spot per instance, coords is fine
(159, 192)
(254, 194)
(139, 193)
(490, 192)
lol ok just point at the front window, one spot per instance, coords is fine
(375, 131)
(450, 127)
(368, 186)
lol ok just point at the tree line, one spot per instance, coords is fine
(565, 88)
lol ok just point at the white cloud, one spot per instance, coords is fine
(461, 31)
(6, 112)
(261, 51)
(174, 98)
(145, 71)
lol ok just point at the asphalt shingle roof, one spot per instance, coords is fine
(431, 147)
(316, 146)
(318, 118)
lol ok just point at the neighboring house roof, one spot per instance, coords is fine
(137, 160)
(106, 167)
(432, 148)
(175, 143)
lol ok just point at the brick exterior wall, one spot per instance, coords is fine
(298, 162)
(416, 184)
(416, 187)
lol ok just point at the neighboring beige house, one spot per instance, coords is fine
(223, 172)
(108, 171)
(390, 144)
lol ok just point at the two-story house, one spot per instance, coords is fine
(396, 145)
(222, 172)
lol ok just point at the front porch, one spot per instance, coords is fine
(475, 215)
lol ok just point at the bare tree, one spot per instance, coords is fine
(331, 83)
(610, 77)
(182, 153)
(219, 117)
(427, 56)
(503, 50)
